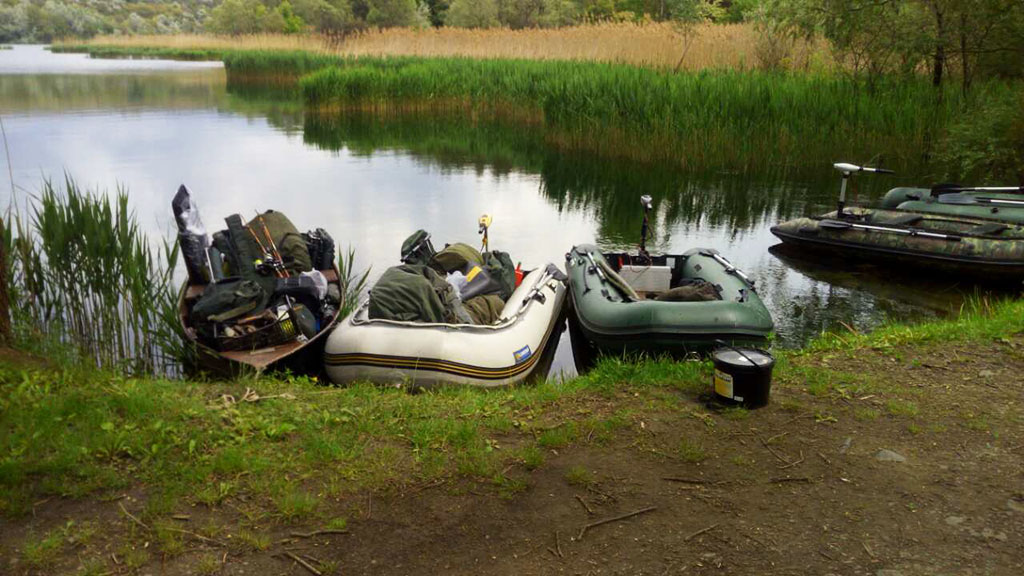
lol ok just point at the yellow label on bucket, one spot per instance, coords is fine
(723, 384)
(472, 273)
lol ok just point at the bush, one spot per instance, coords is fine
(473, 13)
(986, 145)
(391, 13)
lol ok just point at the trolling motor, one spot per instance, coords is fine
(848, 170)
(485, 223)
(645, 201)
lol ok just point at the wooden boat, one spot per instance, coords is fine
(295, 356)
(518, 347)
(975, 248)
(621, 303)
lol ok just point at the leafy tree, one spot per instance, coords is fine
(473, 13)
(326, 15)
(292, 22)
(684, 14)
(237, 17)
(559, 13)
(879, 36)
(438, 11)
(987, 143)
(391, 13)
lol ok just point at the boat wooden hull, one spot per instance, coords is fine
(296, 357)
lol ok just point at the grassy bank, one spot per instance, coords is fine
(652, 45)
(70, 433)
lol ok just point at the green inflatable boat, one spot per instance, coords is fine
(678, 305)
(1005, 204)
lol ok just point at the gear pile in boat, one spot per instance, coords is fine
(456, 285)
(261, 281)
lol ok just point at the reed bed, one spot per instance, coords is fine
(82, 275)
(119, 51)
(725, 119)
(655, 45)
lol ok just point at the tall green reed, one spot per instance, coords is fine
(83, 275)
(715, 118)
(352, 283)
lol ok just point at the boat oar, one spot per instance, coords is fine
(943, 190)
(967, 200)
(595, 267)
(841, 225)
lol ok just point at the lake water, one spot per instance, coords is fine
(371, 181)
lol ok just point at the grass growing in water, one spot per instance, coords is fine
(163, 52)
(82, 274)
(738, 120)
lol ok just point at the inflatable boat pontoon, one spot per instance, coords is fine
(1005, 204)
(519, 346)
(620, 305)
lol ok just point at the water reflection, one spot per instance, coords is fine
(373, 179)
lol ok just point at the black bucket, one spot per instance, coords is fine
(743, 376)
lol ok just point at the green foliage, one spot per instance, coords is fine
(82, 275)
(44, 21)
(352, 283)
(906, 36)
(579, 476)
(691, 451)
(44, 551)
(734, 119)
(986, 144)
(237, 17)
(391, 13)
(473, 13)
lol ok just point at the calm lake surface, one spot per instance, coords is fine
(371, 181)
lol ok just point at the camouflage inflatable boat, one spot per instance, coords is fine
(938, 243)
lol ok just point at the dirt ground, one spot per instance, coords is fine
(916, 468)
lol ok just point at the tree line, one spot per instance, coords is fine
(47, 20)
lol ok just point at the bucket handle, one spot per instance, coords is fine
(721, 342)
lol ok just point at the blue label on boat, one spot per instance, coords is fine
(522, 354)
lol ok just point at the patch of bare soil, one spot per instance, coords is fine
(917, 469)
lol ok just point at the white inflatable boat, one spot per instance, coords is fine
(518, 346)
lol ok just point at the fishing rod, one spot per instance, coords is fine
(848, 170)
(279, 261)
(267, 255)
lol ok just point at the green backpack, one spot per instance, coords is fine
(229, 299)
(287, 239)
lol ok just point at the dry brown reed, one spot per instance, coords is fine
(656, 45)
